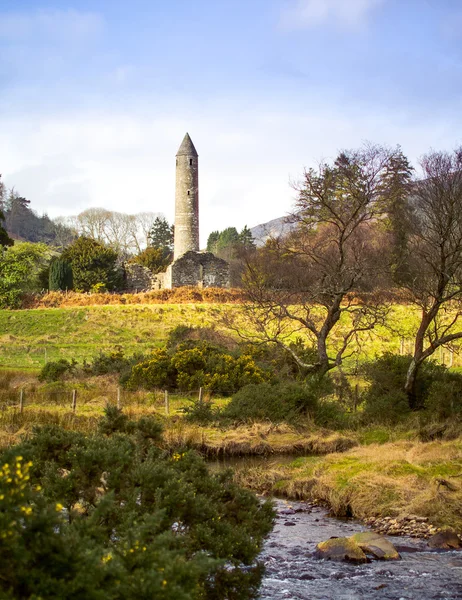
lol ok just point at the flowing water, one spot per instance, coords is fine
(293, 573)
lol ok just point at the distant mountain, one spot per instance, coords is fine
(274, 228)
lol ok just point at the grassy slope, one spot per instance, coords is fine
(30, 337)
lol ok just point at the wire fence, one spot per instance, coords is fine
(75, 399)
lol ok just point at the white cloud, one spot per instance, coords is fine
(125, 161)
(302, 14)
(49, 24)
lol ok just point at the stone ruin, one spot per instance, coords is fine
(190, 267)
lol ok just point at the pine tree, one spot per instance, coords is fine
(161, 234)
(5, 239)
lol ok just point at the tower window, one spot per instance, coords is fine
(188, 192)
(190, 162)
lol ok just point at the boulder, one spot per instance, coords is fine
(374, 544)
(341, 549)
(447, 539)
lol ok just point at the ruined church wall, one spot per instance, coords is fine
(201, 269)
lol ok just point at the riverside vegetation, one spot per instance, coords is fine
(370, 455)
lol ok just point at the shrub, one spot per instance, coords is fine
(331, 414)
(444, 398)
(155, 259)
(112, 516)
(155, 372)
(197, 364)
(201, 411)
(280, 402)
(112, 362)
(20, 268)
(385, 400)
(60, 275)
(92, 264)
(54, 370)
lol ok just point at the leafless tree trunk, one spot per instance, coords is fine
(332, 264)
(435, 258)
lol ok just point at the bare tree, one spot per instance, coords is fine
(332, 264)
(140, 228)
(435, 258)
(127, 234)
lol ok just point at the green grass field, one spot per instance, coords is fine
(29, 338)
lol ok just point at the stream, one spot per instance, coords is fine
(293, 573)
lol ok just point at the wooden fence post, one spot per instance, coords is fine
(74, 400)
(21, 400)
(118, 397)
(167, 404)
(200, 394)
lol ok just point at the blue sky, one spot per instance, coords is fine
(95, 96)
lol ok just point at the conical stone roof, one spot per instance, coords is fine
(187, 147)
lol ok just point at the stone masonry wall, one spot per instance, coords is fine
(202, 269)
(186, 205)
(139, 278)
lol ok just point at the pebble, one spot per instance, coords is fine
(412, 526)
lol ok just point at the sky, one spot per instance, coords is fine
(96, 96)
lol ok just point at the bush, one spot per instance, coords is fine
(197, 364)
(331, 414)
(112, 516)
(155, 372)
(201, 411)
(444, 399)
(60, 275)
(155, 259)
(280, 402)
(54, 370)
(20, 268)
(93, 264)
(385, 400)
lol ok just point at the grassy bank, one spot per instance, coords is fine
(350, 471)
(394, 479)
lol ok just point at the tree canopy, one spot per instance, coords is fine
(331, 264)
(94, 265)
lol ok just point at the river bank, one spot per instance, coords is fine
(402, 487)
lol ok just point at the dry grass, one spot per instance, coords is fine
(175, 296)
(388, 480)
(267, 439)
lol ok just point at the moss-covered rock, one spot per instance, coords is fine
(374, 544)
(341, 549)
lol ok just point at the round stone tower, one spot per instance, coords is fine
(186, 199)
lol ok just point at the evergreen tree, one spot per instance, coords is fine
(161, 234)
(5, 239)
(213, 241)
(228, 243)
(246, 240)
(60, 275)
(93, 265)
(399, 211)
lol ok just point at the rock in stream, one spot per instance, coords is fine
(294, 573)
